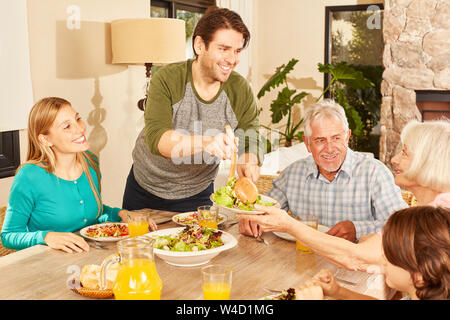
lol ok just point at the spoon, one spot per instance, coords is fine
(244, 188)
(233, 156)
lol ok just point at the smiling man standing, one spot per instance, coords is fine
(350, 192)
(177, 154)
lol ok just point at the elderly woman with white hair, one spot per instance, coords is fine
(423, 164)
(422, 167)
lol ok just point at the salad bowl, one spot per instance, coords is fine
(189, 258)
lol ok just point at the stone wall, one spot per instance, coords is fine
(416, 57)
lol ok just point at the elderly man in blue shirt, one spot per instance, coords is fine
(350, 192)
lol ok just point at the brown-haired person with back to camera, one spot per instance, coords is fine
(177, 154)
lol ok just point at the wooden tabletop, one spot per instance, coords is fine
(40, 272)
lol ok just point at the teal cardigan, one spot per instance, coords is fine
(40, 202)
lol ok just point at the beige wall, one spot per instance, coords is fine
(65, 62)
(282, 29)
(287, 29)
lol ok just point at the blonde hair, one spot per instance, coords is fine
(41, 118)
(429, 143)
(324, 109)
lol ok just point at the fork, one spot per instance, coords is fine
(261, 239)
(272, 291)
(96, 245)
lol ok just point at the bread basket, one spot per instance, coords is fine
(94, 293)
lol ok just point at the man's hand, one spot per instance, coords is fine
(250, 228)
(247, 166)
(344, 229)
(222, 145)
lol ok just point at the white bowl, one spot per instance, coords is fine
(235, 210)
(191, 258)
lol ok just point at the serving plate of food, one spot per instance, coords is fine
(240, 196)
(191, 218)
(288, 294)
(107, 232)
(190, 246)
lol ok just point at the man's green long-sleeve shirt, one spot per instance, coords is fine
(174, 104)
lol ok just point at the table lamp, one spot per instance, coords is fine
(150, 41)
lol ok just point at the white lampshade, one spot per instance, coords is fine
(152, 40)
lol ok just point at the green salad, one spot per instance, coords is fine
(191, 238)
(226, 197)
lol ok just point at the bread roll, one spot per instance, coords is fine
(90, 276)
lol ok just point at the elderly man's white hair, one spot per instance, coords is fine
(325, 108)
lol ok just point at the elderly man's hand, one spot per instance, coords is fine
(344, 229)
(250, 228)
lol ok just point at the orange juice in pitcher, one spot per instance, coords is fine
(137, 278)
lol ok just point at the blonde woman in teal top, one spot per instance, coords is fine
(57, 190)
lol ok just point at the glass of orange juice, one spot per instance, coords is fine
(137, 223)
(216, 282)
(311, 221)
(208, 216)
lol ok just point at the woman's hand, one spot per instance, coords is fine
(275, 219)
(327, 281)
(66, 241)
(309, 291)
(127, 216)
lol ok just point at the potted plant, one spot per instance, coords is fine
(284, 103)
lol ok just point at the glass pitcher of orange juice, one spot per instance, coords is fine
(137, 278)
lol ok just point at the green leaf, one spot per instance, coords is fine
(354, 119)
(281, 105)
(277, 78)
(299, 97)
(345, 74)
(299, 136)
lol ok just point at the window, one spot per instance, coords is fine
(353, 34)
(9, 153)
(189, 11)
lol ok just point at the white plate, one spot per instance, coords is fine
(191, 258)
(235, 210)
(289, 237)
(103, 239)
(185, 214)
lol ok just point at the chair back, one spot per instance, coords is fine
(3, 251)
(264, 183)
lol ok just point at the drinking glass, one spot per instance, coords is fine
(137, 224)
(208, 216)
(216, 282)
(311, 221)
